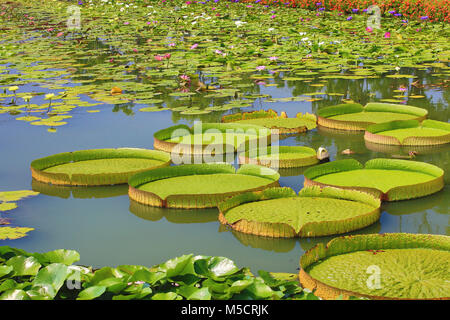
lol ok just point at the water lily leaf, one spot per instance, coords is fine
(13, 232)
(50, 279)
(14, 295)
(194, 293)
(215, 267)
(24, 266)
(16, 195)
(6, 206)
(4, 270)
(165, 296)
(91, 293)
(63, 256)
(240, 285)
(176, 266)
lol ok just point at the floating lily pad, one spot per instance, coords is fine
(211, 138)
(410, 133)
(280, 157)
(12, 233)
(208, 184)
(96, 167)
(379, 266)
(388, 179)
(279, 212)
(271, 120)
(353, 116)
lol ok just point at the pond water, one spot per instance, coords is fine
(100, 222)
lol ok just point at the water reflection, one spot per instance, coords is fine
(404, 150)
(173, 215)
(79, 192)
(288, 244)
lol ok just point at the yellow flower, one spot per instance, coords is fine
(14, 88)
(27, 98)
(49, 96)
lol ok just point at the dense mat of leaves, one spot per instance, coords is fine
(52, 275)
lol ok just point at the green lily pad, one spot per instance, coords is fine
(13, 232)
(386, 266)
(279, 212)
(208, 184)
(406, 178)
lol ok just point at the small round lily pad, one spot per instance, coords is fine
(353, 116)
(96, 167)
(409, 133)
(388, 179)
(279, 212)
(197, 185)
(379, 266)
(281, 157)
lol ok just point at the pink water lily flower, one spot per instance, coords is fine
(387, 35)
(260, 68)
(60, 34)
(194, 46)
(167, 56)
(158, 57)
(369, 29)
(273, 58)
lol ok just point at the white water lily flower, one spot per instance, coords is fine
(305, 39)
(271, 29)
(302, 33)
(239, 23)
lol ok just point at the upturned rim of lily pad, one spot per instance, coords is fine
(375, 133)
(308, 123)
(324, 114)
(400, 192)
(372, 242)
(283, 229)
(39, 166)
(306, 157)
(191, 200)
(161, 138)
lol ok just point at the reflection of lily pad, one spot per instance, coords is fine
(197, 185)
(411, 132)
(79, 192)
(353, 116)
(96, 167)
(279, 212)
(175, 215)
(407, 179)
(409, 266)
(405, 150)
(267, 244)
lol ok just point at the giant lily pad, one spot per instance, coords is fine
(271, 120)
(197, 185)
(353, 116)
(379, 266)
(280, 157)
(409, 133)
(389, 179)
(97, 166)
(279, 212)
(210, 138)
